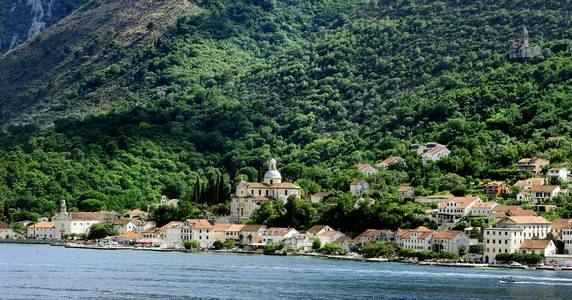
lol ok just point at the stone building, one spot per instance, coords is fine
(523, 49)
(250, 195)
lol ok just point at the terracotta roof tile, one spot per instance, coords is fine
(45, 225)
(535, 244)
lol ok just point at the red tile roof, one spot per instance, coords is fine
(44, 225)
(535, 244)
(446, 234)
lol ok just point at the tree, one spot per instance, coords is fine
(462, 250)
(333, 249)
(100, 231)
(476, 249)
(192, 245)
(218, 244)
(378, 249)
(316, 244)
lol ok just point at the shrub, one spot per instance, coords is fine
(192, 245)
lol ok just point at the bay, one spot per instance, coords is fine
(46, 272)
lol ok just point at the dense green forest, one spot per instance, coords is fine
(319, 84)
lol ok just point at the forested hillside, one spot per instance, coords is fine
(321, 85)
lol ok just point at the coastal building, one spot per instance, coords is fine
(534, 165)
(373, 235)
(7, 232)
(330, 236)
(275, 235)
(300, 242)
(318, 229)
(76, 223)
(128, 237)
(406, 192)
(455, 208)
(219, 230)
(418, 239)
(41, 231)
(540, 247)
(449, 241)
(511, 233)
(367, 169)
(558, 226)
(125, 225)
(523, 49)
(249, 233)
(318, 197)
(233, 232)
(171, 234)
(250, 195)
(358, 187)
(567, 239)
(391, 161)
(142, 226)
(153, 236)
(495, 188)
(199, 230)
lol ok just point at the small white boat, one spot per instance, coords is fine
(507, 279)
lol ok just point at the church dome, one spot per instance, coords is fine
(272, 174)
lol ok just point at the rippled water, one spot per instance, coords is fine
(44, 272)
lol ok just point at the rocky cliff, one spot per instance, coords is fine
(21, 20)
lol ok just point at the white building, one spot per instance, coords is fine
(455, 208)
(142, 226)
(373, 235)
(358, 187)
(543, 193)
(125, 225)
(169, 202)
(367, 169)
(560, 173)
(482, 209)
(540, 247)
(418, 239)
(449, 241)
(233, 232)
(199, 230)
(435, 153)
(74, 223)
(171, 234)
(511, 233)
(275, 235)
(251, 233)
(6, 232)
(250, 195)
(41, 231)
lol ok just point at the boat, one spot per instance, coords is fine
(507, 279)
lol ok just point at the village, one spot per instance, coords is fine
(469, 229)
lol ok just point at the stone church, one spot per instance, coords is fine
(523, 49)
(250, 195)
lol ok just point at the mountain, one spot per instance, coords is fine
(21, 20)
(128, 100)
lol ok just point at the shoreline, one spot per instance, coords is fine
(317, 255)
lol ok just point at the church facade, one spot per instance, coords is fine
(250, 195)
(77, 223)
